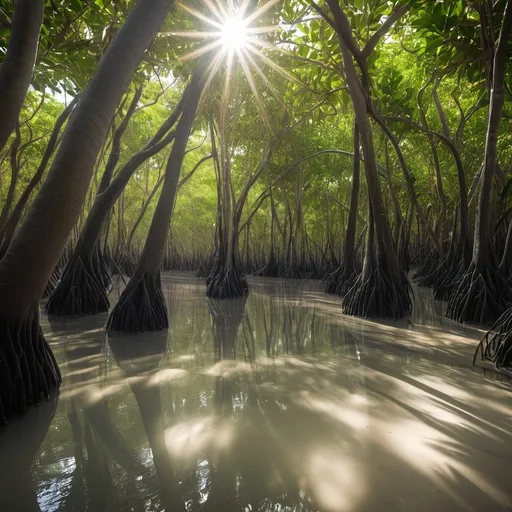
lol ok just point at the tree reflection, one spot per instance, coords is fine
(96, 440)
(139, 358)
(19, 444)
(251, 472)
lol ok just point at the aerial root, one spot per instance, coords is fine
(52, 282)
(480, 296)
(226, 283)
(141, 307)
(271, 268)
(28, 370)
(496, 346)
(82, 289)
(292, 271)
(378, 296)
(341, 280)
(428, 273)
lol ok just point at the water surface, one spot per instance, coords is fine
(274, 403)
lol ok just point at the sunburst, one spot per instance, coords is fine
(234, 32)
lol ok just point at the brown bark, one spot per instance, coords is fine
(18, 64)
(36, 247)
(141, 306)
(482, 248)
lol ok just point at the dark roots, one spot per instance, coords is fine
(378, 296)
(226, 283)
(341, 280)
(82, 289)
(141, 306)
(28, 370)
(480, 296)
(496, 345)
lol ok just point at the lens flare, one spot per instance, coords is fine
(234, 34)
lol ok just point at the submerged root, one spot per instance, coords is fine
(28, 370)
(82, 289)
(496, 345)
(480, 296)
(141, 307)
(378, 296)
(226, 283)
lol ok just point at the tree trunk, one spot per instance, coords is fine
(482, 293)
(342, 278)
(18, 64)
(388, 281)
(83, 287)
(115, 151)
(27, 367)
(141, 306)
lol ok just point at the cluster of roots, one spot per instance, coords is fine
(341, 280)
(429, 271)
(141, 306)
(28, 370)
(226, 282)
(496, 345)
(377, 295)
(82, 289)
(271, 268)
(480, 296)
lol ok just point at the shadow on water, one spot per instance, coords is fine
(272, 403)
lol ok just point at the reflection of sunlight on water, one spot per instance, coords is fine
(334, 480)
(228, 368)
(423, 447)
(339, 411)
(187, 439)
(166, 375)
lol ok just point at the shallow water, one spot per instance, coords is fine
(277, 403)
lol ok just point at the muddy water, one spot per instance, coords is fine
(277, 403)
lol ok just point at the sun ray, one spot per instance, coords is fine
(252, 85)
(258, 12)
(201, 51)
(214, 67)
(267, 82)
(218, 11)
(270, 62)
(200, 16)
(194, 34)
(239, 44)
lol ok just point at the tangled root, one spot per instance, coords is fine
(226, 283)
(292, 271)
(496, 345)
(481, 296)
(378, 296)
(28, 370)
(341, 280)
(82, 289)
(428, 273)
(53, 282)
(270, 268)
(141, 307)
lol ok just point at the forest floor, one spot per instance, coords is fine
(304, 408)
